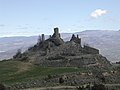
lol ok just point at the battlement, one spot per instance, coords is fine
(76, 39)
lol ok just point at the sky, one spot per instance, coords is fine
(34, 17)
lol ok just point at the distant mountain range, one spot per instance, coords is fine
(108, 42)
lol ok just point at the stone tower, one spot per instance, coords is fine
(55, 38)
(56, 32)
(43, 37)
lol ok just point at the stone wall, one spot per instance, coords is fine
(72, 61)
(90, 50)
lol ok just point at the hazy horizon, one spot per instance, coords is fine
(7, 36)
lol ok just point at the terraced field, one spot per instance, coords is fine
(12, 72)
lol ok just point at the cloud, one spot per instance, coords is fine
(2, 25)
(22, 27)
(98, 12)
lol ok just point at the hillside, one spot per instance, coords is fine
(20, 75)
(10, 45)
(54, 63)
(55, 52)
(12, 72)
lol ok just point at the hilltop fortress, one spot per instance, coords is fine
(70, 47)
(54, 52)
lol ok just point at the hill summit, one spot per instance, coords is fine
(54, 52)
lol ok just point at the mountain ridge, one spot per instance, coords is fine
(105, 40)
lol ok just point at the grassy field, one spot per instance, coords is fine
(15, 72)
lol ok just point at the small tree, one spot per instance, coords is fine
(61, 80)
(18, 54)
(99, 87)
(2, 87)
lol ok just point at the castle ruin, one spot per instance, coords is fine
(55, 52)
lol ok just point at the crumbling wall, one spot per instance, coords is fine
(90, 50)
(76, 39)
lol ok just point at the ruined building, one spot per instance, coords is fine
(55, 52)
(55, 41)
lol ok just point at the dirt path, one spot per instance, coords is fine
(62, 87)
(23, 67)
(112, 84)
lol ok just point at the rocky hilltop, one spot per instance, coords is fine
(54, 63)
(54, 52)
